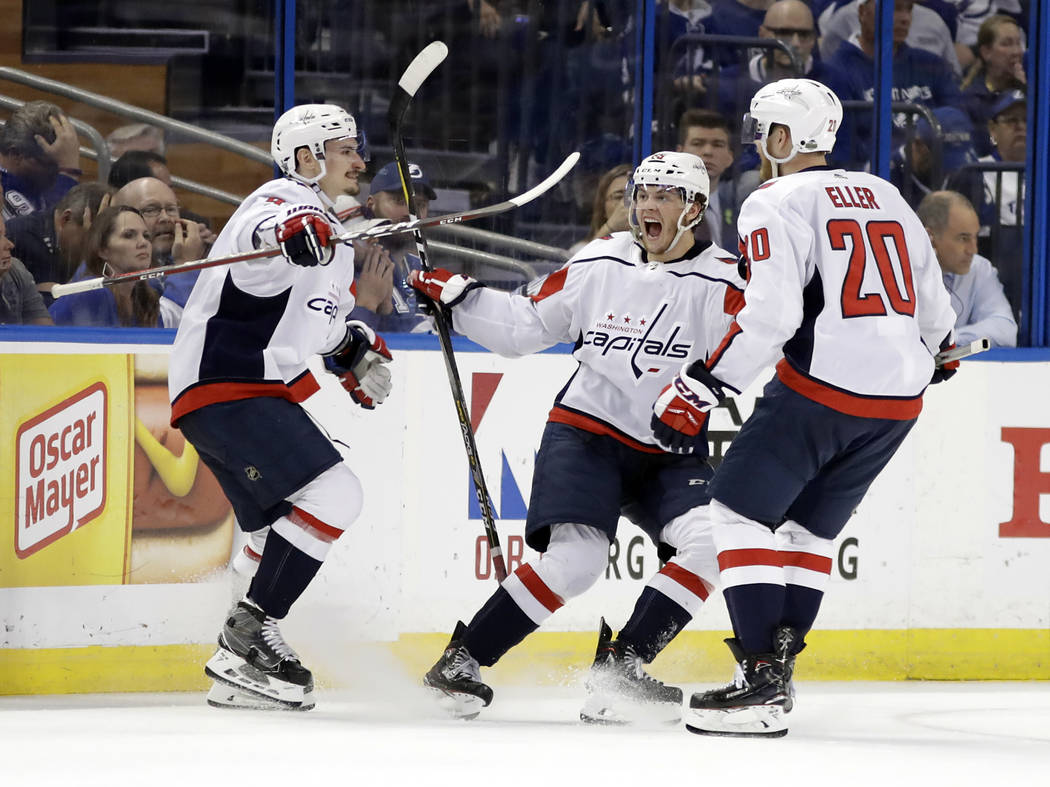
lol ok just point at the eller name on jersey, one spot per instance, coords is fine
(843, 281)
(249, 328)
(633, 325)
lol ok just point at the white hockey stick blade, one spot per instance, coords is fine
(974, 347)
(421, 66)
(380, 231)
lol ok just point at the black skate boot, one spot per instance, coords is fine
(620, 691)
(753, 705)
(456, 679)
(254, 659)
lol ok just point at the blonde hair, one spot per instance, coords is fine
(986, 35)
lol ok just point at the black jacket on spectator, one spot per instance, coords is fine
(37, 246)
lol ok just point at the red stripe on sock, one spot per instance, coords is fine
(313, 525)
(686, 579)
(539, 590)
(736, 558)
(807, 560)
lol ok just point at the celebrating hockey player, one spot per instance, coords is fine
(238, 372)
(844, 295)
(635, 304)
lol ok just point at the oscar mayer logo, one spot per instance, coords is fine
(60, 475)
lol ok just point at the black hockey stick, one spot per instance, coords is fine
(418, 70)
(379, 231)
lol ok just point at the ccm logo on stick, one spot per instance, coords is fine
(60, 476)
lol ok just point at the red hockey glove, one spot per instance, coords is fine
(360, 364)
(304, 234)
(443, 286)
(680, 412)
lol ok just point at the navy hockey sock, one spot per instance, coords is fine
(283, 574)
(756, 611)
(801, 605)
(496, 628)
(655, 621)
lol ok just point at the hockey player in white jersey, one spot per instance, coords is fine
(238, 372)
(845, 297)
(635, 304)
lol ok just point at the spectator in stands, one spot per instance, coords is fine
(933, 28)
(135, 136)
(51, 242)
(383, 300)
(135, 164)
(919, 77)
(174, 239)
(609, 213)
(735, 18)
(971, 280)
(39, 158)
(119, 242)
(20, 303)
(997, 69)
(789, 21)
(916, 169)
(705, 133)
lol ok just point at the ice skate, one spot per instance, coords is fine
(620, 691)
(222, 696)
(456, 680)
(253, 658)
(751, 706)
(786, 647)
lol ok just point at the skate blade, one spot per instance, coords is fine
(760, 721)
(222, 696)
(456, 704)
(231, 670)
(620, 712)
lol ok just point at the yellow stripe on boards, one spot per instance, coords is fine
(551, 658)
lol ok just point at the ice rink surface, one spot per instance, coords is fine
(894, 734)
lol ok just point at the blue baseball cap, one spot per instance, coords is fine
(388, 179)
(956, 137)
(1007, 100)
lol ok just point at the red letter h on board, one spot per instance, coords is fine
(1029, 483)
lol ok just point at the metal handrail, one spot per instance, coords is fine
(738, 41)
(135, 113)
(101, 151)
(182, 183)
(495, 260)
(499, 240)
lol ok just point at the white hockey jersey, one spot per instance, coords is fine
(633, 323)
(844, 283)
(249, 328)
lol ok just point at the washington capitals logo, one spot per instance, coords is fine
(789, 92)
(638, 335)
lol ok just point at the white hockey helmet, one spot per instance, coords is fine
(310, 126)
(809, 109)
(670, 169)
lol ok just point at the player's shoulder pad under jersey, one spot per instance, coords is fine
(618, 245)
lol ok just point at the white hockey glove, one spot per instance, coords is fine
(443, 286)
(360, 364)
(304, 235)
(680, 412)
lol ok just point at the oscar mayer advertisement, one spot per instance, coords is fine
(97, 488)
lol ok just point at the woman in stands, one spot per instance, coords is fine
(999, 67)
(118, 243)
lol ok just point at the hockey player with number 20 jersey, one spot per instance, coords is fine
(238, 372)
(635, 305)
(845, 296)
